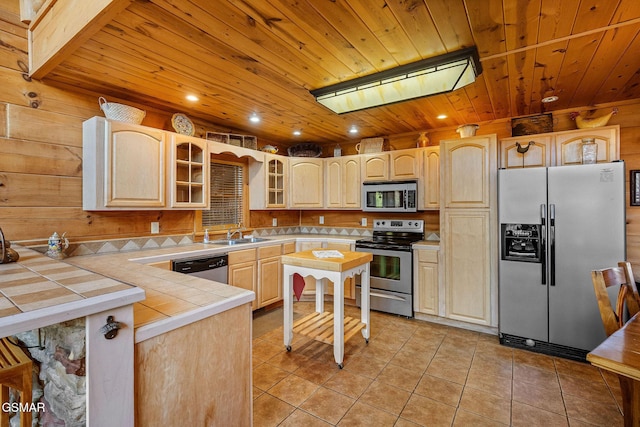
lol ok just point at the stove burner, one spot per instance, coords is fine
(393, 235)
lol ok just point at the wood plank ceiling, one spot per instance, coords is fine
(263, 56)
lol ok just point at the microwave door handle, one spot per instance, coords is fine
(405, 196)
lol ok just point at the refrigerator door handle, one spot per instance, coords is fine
(543, 242)
(552, 245)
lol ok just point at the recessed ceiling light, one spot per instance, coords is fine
(254, 118)
(547, 99)
(442, 116)
(192, 98)
(297, 133)
(353, 129)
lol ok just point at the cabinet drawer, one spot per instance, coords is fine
(269, 251)
(288, 248)
(244, 255)
(428, 256)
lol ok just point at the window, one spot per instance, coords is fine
(227, 195)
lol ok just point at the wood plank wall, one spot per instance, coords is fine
(41, 159)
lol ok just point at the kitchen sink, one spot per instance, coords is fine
(230, 242)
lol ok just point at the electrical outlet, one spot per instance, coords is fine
(274, 222)
(363, 222)
(321, 219)
(155, 227)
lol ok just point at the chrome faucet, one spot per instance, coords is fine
(238, 230)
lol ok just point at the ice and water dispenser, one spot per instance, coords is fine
(521, 242)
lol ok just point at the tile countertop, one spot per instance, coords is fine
(427, 244)
(38, 291)
(174, 299)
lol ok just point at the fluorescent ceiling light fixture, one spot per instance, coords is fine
(353, 129)
(431, 76)
(254, 118)
(192, 98)
(442, 116)
(297, 132)
(551, 98)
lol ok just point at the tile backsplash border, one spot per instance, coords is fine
(155, 242)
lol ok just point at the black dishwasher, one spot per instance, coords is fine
(212, 268)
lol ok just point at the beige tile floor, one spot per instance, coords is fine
(415, 373)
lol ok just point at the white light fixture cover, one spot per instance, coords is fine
(444, 73)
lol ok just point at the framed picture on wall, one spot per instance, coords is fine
(530, 125)
(634, 187)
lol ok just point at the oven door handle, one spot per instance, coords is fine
(386, 296)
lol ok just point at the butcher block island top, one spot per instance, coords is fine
(308, 259)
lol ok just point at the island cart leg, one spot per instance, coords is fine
(320, 285)
(287, 285)
(365, 315)
(338, 318)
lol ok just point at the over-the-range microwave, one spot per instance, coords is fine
(397, 196)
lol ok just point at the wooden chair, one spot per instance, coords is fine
(627, 295)
(15, 373)
(615, 319)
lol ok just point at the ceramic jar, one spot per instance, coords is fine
(467, 130)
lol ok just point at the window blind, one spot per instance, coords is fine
(226, 195)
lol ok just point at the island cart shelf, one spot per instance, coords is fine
(330, 328)
(319, 326)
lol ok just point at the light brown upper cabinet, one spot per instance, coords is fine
(429, 197)
(343, 185)
(124, 166)
(559, 148)
(306, 182)
(526, 151)
(268, 182)
(189, 176)
(375, 167)
(466, 169)
(405, 164)
(568, 144)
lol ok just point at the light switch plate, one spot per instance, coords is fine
(155, 227)
(321, 219)
(363, 222)
(274, 222)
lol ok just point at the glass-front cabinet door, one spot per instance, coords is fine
(190, 173)
(275, 182)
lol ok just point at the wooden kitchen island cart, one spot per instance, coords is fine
(318, 325)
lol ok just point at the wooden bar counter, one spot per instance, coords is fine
(620, 354)
(318, 325)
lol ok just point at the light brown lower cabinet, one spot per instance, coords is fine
(269, 275)
(243, 271)
(259, 270)
(468, 265)
(425, 299)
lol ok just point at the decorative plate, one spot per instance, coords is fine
(183, 125)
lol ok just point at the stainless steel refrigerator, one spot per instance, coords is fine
(556, 225)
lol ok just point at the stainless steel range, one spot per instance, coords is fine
(392, 266)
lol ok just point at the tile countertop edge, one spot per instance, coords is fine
(426, 244)
(46, 316)
(145, 332)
